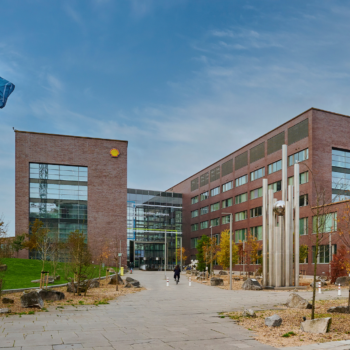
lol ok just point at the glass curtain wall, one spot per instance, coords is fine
(150, 213)
(340, 175)
(58, 197)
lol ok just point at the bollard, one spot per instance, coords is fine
(339, 290)
(319, 288)
(189, 282)
(167, 281)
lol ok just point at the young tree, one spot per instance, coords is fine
(103, 253)
(3, 248)
(209, 253)
(339, 264)
(178, 254)
(223, 254)
(250, 252)
(18, 243)
(204, 241)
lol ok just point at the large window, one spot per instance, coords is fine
(325, 223)
(204, 224)
(227, 186)
(257, 193)
(241, 180)
(215, 191)
(298, 157)
(303, 226)
(324, 255)
(194, 213)
(215, 222)
(257, 174)
(340, 175)
(194, 227)
(257, 232)
(194, 200)
(256, 212)
(240, 235)
(226, 203)
(303, 179)
(194, 242)
(242, 215)
(241, 198)
(276, 166)
(204, 195)
(215, 206)
(204, 210)
(225, 219)
(276, 186)
(303, 200)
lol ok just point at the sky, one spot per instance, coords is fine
(186, 82)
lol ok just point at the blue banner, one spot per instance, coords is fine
(6, 89)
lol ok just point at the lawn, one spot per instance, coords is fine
(20, 272)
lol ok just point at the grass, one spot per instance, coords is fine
(20, 272)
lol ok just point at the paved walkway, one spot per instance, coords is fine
(174, 317)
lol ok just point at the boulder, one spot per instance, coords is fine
(223, 273)
(94, 284)
(273, 321)
(55, 278)
(4, 311)
(72, 287)
(319, 325)
(129, 279)
(339, 309)
(3, 267)
(133, 284)
(32, 299)
(249, 313)
(51, 280)
(7, 301)
(50, 294)
(236, 278)
(343, 281)
(216, 281)
(295, 301)
(251, 284)
(113, 279)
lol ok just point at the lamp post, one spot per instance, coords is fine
(231, 219)
(211, 249)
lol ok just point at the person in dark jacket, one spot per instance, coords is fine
(177, 271)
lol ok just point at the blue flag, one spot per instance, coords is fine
(6, 89)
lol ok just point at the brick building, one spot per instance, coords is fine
(70, 183)
(317, 139)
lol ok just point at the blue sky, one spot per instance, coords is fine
(186, 82)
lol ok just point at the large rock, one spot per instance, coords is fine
(223, 273)
(3, 267)
(339, 309)
(319, 325)
(32, 299)
(249, 313)
(343, 281)
(55, 278)
(133, 284)
(129, 279)
(50, 294)
(216, 281)
(251, 284)
(295, 301)
(273, 321)
(4, 311)
(113, 280)
(51, 280)
(7, 301)
(72, 287)
(94, 284)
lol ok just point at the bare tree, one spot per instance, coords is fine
(4, 242)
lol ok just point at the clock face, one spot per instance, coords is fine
(114, 152)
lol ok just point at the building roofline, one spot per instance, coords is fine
(207, 167)
(81, 137)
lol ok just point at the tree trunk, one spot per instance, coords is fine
(314, 284)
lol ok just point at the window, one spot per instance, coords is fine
(324, 255)
(194, 200)
(298, 157)
(215, 206)
(226, 203)
(257, 174)
(257, 193)
(326, 223)
(276, 186)
(276, 166)
(257, 232)
(204, 195)
(194, 243)
(303, 179)
(194, 227)
(204, 224)
(215, 222)
(215, 191)
(217, 236)
(303, 226)
(241, 180)
(240, 235)
(340, 175)
(204, 210)
(242, 215)
(225, 219)
(241, 198)
(303, 200)
(194, 213)
(227, 186)
(256, 212)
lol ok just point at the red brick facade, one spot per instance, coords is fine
(107, 181)
(325, 130)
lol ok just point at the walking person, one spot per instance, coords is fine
(177, 271)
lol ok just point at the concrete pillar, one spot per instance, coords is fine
(271, 239)
(296, 221)
(265, 240)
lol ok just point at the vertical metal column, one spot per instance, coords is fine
(231, 219)
(165, 254)
(291, 232)
(287, 247)
(283, 219)
(296, 221)
(278, 260)
(272, 279)
(265, 241)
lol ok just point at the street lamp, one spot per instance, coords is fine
(211, 250)
(231, 219)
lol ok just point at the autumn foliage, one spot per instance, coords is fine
(339, 264)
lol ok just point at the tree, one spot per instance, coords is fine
(17, 243)
(250, 252)
(178, 254)
(223, 254)
(209, 252)
(31, 242)
(3, 248)
(79, 260)
(204, 241)
(103, 253)
(303, 253)
(339, 264)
